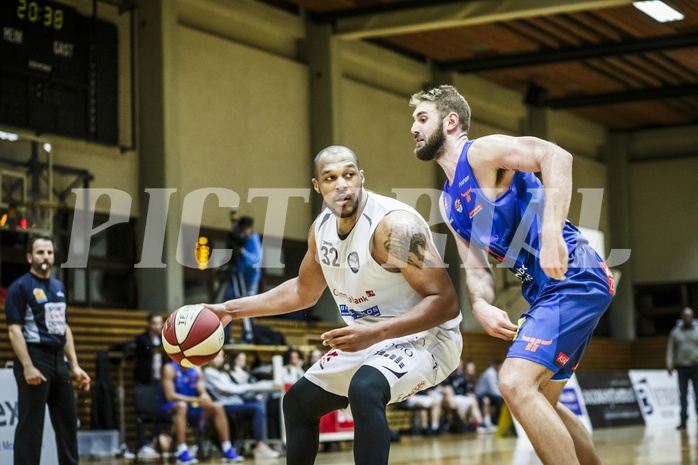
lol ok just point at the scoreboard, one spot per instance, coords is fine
(58, 71)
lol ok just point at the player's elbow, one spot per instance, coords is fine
(449, 306)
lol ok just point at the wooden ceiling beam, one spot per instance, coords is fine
(420, 17)
(625, 47)
(622, 97)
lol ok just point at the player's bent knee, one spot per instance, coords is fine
(368, 379)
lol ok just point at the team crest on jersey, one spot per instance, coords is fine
(353, 262)
(458, 205)
(39, 295)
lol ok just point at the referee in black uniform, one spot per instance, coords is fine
(42, 341)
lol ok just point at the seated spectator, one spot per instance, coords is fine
(293, 367)
(460, 404)
(429, 402)
(238, 371)
(240, 374)
(239, 399)
(488, 395)
(188, 402)
(313, 356)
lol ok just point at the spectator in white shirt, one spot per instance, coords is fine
(293, 366)
(240, 399)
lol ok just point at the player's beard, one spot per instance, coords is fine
(433, 147)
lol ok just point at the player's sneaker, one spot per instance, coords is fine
(262, 451)
(231, 455)
(147, 452)
(186, 457)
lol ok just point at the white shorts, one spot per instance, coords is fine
(410, 363)
(428, 400)
(463, 403)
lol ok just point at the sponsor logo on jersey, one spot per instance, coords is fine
(397, 359)
(60, 294)
(419, 387)
(562, 359)
(350, 312)
(353, 262)
(398, 375)
(534, 343)
(39, 295)
(370, 293)
(463, 181)
(351, 299)
(458, 206)
(466, 194)
(327, 358)
(475, 210)
(522, 273)
(609, 278)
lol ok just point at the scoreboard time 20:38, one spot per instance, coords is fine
(58, 70)
(47, 14)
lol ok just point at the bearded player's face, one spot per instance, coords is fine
(428, 132)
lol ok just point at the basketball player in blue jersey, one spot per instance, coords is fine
(494, 204)
(187, 401)
(377, 257)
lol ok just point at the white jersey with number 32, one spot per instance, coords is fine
(363, 290)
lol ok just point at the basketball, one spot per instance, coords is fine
(192, 335)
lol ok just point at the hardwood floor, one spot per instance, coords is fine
(637, 445)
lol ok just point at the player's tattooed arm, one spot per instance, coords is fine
(405, 241)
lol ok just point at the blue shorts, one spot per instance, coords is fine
(557, 329)
(194, 414)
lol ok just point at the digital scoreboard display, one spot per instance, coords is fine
(58, 71)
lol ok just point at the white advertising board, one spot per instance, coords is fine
(657, 394)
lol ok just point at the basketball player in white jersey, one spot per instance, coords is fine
(377, 257)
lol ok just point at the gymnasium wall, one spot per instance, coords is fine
(664, 221)
(244, 123)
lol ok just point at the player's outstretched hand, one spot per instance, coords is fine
(495, 321)
(351, 338)
(220, 311)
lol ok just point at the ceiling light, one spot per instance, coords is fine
(659, 11)
(8, 136)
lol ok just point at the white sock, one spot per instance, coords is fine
(225, 445)
(488, 420)
(434, 426)
(181, 448)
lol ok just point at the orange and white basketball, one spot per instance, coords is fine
(192, 335)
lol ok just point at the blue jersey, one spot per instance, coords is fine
(39, 305)
(186, 381)
(507, 228)
(557, 328)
